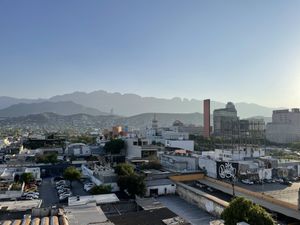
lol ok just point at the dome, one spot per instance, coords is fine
(230, 105)
(177, 123)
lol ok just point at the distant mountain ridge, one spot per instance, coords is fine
(132, 104)
(61, 108)
(52, 121)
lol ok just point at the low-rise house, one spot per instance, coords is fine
(137, 148)
(160, 187)
(101, 175)
(179, 161)
(78, 149)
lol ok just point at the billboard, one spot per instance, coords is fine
(227, 170)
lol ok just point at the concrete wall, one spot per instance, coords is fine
(203, 200)
(183, 144)
(162, 189)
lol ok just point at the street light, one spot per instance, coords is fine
(233, 180)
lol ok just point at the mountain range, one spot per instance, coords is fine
(102, 102)
(61, 108)
(83, 122)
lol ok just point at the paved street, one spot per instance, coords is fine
(187, 211)
(48, 193)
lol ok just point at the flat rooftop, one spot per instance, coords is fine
(20, 205)
(85, 215)
(149, 217)
(98, 199)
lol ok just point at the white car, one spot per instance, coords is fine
(64, 191)
(60, 182)
(247, 181)
(32, 196)
(65, 195)
(32, 193)
(88, 186)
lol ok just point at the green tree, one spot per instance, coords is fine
(114, 146)
(243, 210)
(71, 174)
(102, 189)
(47, 158)
(152, 165)
(27, 178)
(124, 169)
(133, 184)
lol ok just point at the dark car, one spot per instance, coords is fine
(287, 182)
(58, 179)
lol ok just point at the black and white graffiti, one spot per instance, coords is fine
(227, 170)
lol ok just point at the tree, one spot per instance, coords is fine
(114, 146)
(133, 184)
(47, 158)
(71, 174)
(243, 210)
(27, 178)
(152, 165)
(102, 189)
(124, 169)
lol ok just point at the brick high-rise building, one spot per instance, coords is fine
(206, 118)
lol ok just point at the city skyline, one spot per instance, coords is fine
(162, 49)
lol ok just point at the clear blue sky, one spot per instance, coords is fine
(226, 50)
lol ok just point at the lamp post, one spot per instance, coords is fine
(233, 180)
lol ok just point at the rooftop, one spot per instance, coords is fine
(149, 217)
(158, 182)
(98, 199)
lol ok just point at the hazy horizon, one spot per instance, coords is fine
(226, 51)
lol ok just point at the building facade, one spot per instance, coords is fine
(285, 126)
(226, 121)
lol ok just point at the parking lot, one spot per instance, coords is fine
(48, 192)
(276, 190)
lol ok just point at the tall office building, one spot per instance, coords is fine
(226, 122)
(285, 126)
(206, 118)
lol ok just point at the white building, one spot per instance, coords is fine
(285, 126)
(238, 154)
(36, 172)
(180, 144)
(160, 187)
(78, 149)
(185, 162)
(139, 148)
(101, 175)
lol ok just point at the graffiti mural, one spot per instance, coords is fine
(227, 170)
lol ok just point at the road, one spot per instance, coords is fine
(187, 211)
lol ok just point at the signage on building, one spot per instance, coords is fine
(227, 170)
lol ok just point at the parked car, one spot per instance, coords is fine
(88, 186)
(210, 189)
(247, 181)
(287, 182)
(33, 196)
(60, 182)
(59, 178)
(32, 193)
(63, 190)
(65, 195)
